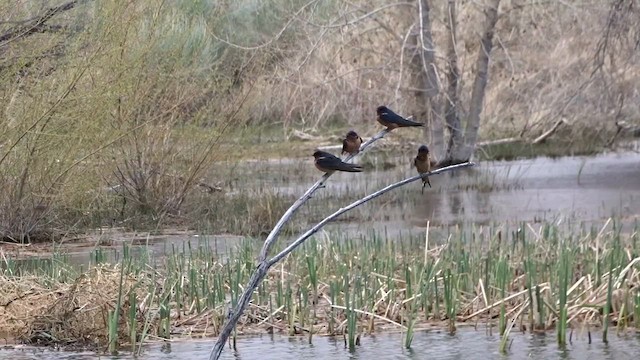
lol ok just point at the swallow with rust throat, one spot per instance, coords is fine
(351, 143)
(423, 164)
(391, 120)
(329, 163)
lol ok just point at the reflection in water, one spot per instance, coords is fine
(464, 345)
(587, 188)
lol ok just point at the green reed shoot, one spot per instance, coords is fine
(502, 271)
(450, 299)
(290, 306)
(613, 254)
(564, 273)
(114, 317)
(133, 321)
(351, 315)
(164, 330)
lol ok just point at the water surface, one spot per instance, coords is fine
(464, 345)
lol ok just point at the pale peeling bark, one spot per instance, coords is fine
(451, 115)
(424, 65)
(465, 152)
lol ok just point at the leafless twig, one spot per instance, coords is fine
(274, 38)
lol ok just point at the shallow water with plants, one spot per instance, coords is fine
(544, 252)
(466, 344)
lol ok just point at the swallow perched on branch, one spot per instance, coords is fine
(423, 164)
(391, 120)
(329, 163)
(351, 143)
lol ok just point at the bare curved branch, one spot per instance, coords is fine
(273, 235)
(354, 205)
(335, 24)
(263, 267)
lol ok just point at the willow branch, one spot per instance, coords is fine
(273, 235)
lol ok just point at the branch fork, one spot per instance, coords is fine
(265, 264)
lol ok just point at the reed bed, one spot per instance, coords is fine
(529, 278)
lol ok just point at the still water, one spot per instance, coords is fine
(464, 345)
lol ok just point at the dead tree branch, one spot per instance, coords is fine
(273, 235)
(517, 139)
(263, 267)
(424, 64)
(480, 83)
(354, 205)
(549, 132)
(451, 115)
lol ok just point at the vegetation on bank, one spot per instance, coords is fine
(118, 111)
(117, 114)
(529, 278)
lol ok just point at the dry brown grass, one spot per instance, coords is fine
(73, 313)
(542, 68)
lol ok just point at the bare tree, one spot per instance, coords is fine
(461, 144)
(425, 83)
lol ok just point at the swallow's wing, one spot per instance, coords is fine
(329, 162)
(406, 122)
(333, 163)
(395, 118)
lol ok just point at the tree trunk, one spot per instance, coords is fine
(426, 80)
(451, 115)
(465, 151)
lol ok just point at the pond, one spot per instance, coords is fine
(465, 344)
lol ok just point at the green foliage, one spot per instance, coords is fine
(117, 98)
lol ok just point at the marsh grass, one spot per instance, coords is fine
(540, 276)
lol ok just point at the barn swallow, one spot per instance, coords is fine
(351, 143)
(422, 162)
(391, 120)
(329, 163)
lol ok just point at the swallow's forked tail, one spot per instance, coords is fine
(425, 181)
(350, 168)
(408, 122)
